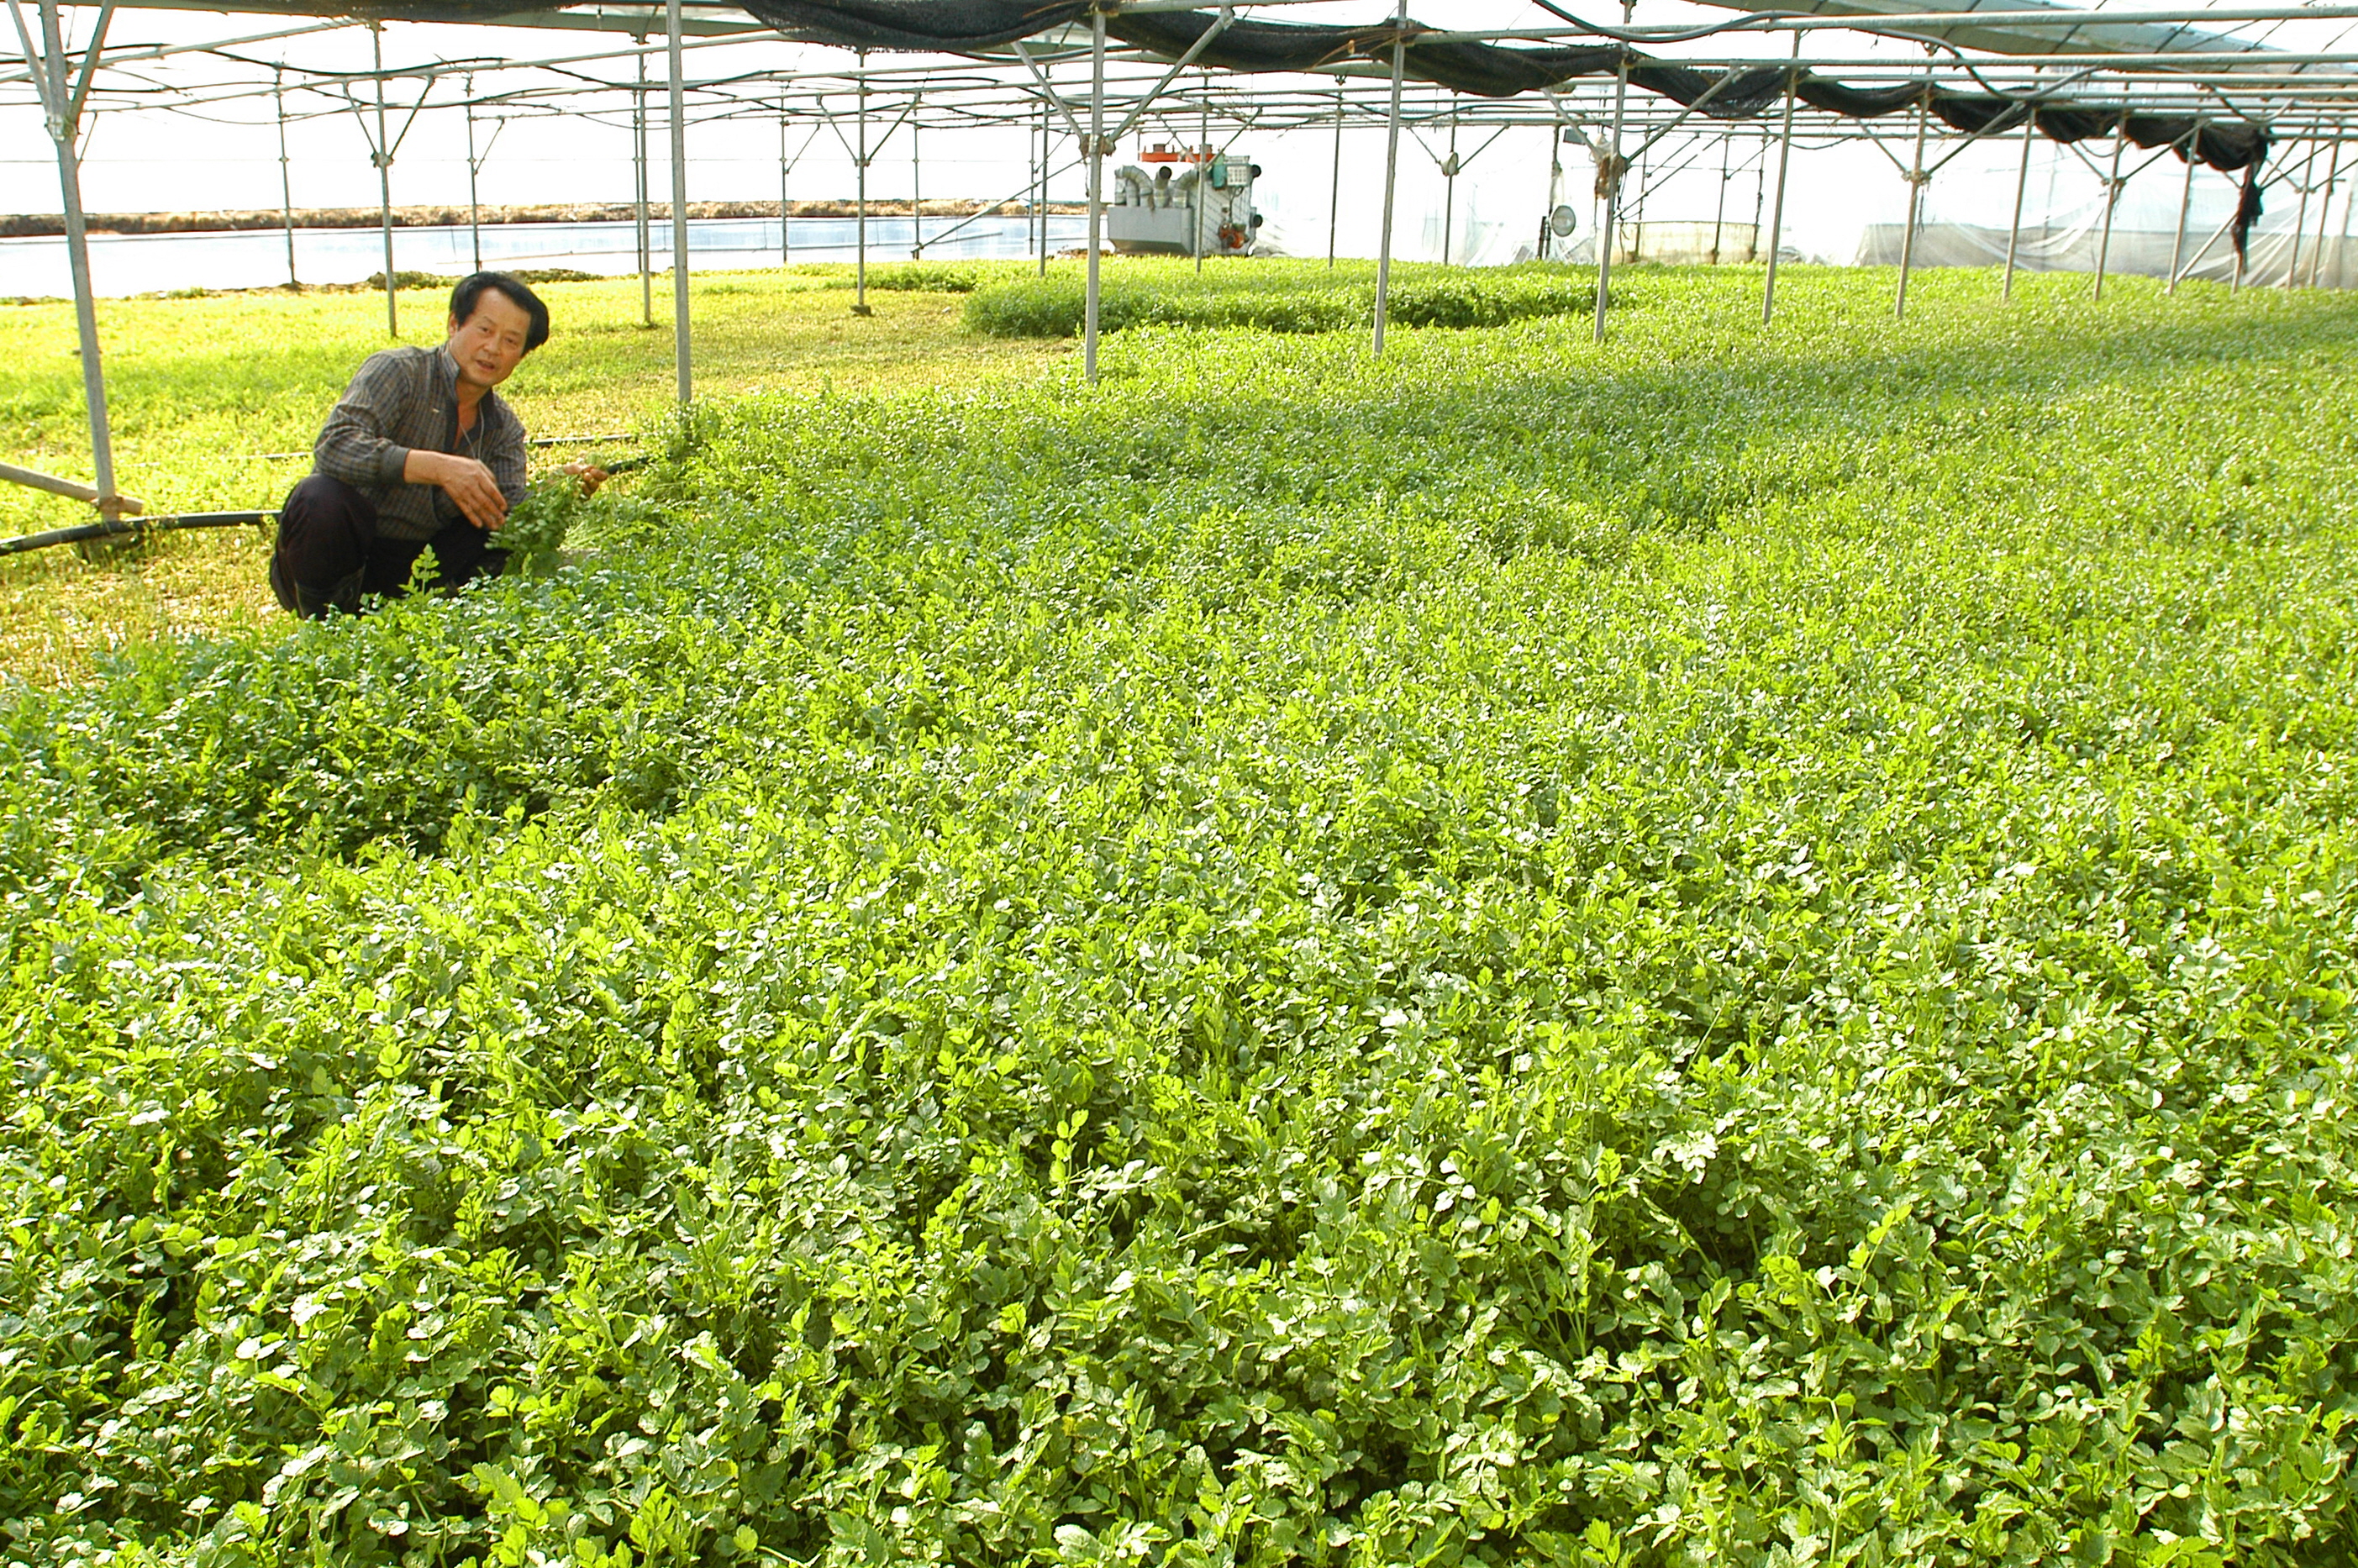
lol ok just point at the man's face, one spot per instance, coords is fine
(489, 344)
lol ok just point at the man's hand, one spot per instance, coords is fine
(590, 475)
(468, 482)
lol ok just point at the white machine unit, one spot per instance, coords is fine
(1188, 201)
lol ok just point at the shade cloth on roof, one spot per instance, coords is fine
(1731, 96)
(1493, 70)
(1245, 46)
(932, 27)
(957, 27)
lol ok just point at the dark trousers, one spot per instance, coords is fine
(330, 556)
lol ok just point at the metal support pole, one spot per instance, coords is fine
(1759, 200)
(1335, 189)
(286, 177)
(1605, 234)
(2185, 203)
(2325, 211)
(2204, 248)
(1916, 178)
(638, 159)
(64, 122)
(1202, 204)
(786, 240)
(1555, 189)
(2112, 204)
(384, 158)
(1634, 220)
(2300, 223)
(646, 240)
(2021, 189)
(1449, 195)
(860, 256)
(681, 355)
(1199, 203)
(1719, 213)
(2342, 246)
(1784, 167)
(917, 195)
(1392, 174)
(1040, 206)
(474, 200)
(1096, 192)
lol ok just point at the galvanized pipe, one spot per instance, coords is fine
(2299, 223)
(2325, 211)
(1198, 205)
(286, 177)
(646, 240)
(1556, 193)
(682, 357)
(2341, 248)
(64, 126)
(1096, 196)
(1719, 213)
(474, 201)
(384, 158)
(860, 261)
(2112, 204)
(1777, 213)
(2185, 204)
(1605, 234)
(72, 489)
(1392, 175)
(2021, 188)
(1449, 194)
(1916, 179)
(1335, 187)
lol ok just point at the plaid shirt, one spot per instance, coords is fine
(406, 399)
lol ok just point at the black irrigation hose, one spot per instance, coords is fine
(123, 527)
(127, 526)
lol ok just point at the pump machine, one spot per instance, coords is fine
(1186, 201)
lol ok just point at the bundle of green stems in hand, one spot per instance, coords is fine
(535, 526)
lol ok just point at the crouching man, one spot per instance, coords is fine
(420, 452)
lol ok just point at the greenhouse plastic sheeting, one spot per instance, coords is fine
(2274, 259)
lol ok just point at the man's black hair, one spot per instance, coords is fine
(470, 289)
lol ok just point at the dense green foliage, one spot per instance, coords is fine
(1721, 948)
(1278, 298)
(535, 526)
(929, 278)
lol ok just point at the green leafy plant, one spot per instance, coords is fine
(926, 278)
(1278, 298)
(1738, 950)
(535, 526)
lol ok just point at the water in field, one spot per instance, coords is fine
(149, 263)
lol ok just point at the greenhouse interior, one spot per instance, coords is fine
(1178, 783)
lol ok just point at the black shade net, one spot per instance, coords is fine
(932, 27)
(1243, 46)
(1495, 70)
(1490, 70)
